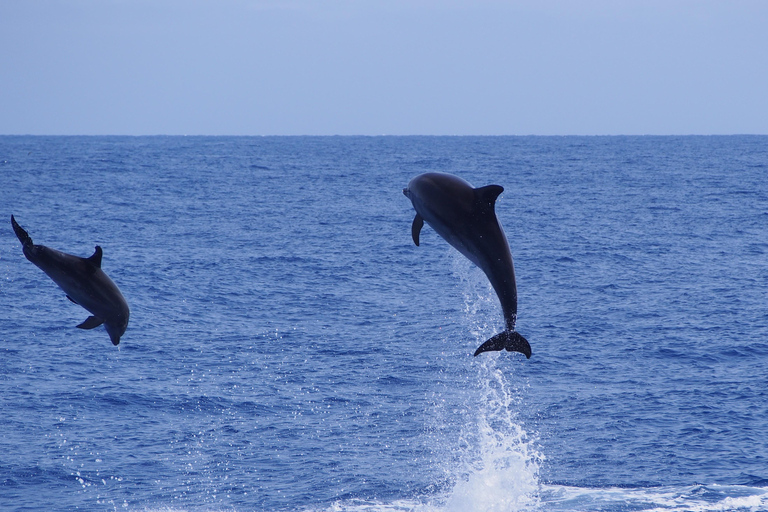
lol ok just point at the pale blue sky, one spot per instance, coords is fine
(464, 67)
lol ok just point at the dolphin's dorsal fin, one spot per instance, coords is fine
(486, 196)
(91, 323)
(95, 260)
(418, 223)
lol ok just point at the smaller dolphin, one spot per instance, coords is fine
(465, 218)
(84, 283)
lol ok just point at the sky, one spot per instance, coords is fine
(383, 67)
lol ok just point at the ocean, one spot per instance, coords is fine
(291, 349)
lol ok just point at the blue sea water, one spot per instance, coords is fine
(290, 349)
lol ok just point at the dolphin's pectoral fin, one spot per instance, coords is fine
(91, 323)
(512, 341)
(73, 300)
(487, 195)
(418, 223)
(95, 259)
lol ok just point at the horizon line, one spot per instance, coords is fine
(387, 135)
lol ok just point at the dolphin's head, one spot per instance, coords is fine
(440, 193)
(116, 328)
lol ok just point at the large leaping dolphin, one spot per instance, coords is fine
(465, 218)
(84, 283)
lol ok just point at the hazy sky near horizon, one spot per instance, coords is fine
(371, 67)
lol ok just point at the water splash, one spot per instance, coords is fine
(499, 462)
(500, 467)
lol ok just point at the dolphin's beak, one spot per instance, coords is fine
(406, 193)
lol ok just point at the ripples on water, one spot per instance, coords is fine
(291, 349)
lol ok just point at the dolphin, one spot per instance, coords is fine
(464, 216)
(84, 283)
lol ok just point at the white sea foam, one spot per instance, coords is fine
(713, 498)
(554, 498)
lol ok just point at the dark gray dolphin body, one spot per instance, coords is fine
(84, 283)
(466, 219)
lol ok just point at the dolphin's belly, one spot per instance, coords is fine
(449, 234)
(102, 298)
(95, 292)
(489, 250)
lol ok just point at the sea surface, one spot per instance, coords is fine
(291, 349)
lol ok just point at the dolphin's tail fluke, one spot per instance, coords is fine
(512, 341)
(23, 236)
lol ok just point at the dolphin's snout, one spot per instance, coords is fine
(406, 193)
